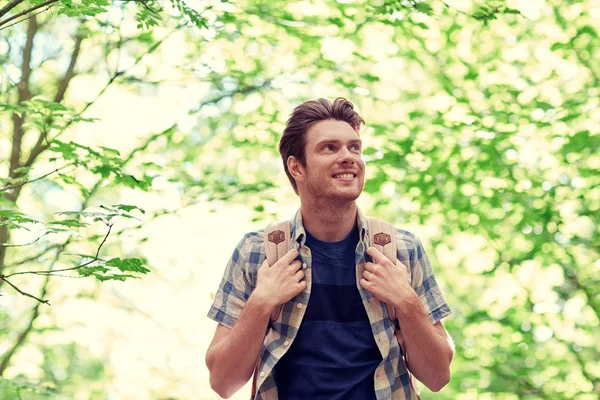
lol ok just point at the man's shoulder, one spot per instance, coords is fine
(251, 240)
(254, 236)
(249, 252)
(406, 238)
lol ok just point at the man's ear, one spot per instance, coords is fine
(296, 169)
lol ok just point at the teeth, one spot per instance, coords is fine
(344, 176)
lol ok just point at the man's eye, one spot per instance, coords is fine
(328, 147)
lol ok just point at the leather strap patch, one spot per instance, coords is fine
(382, 238)
(276, 237)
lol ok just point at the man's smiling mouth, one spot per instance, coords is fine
(344, 176)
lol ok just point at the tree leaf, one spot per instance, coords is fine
(71, 223)
(128, 208)
(128, 264)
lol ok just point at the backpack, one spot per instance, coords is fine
(382, 236)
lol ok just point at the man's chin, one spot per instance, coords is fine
(347, 195)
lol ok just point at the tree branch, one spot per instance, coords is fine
(147, 7)
(26, 18)
(570, 273)
(24, 95)
(47, 3)
(42, 147)
(33, 257)
(24, 244)
(18, 131)
(9, 187)
(21, 338)
(9, 6)
(577, 355)
(39, 146)
(64, 83)
(22, 292)
(51, 271)
(456, 9)
(4, 236)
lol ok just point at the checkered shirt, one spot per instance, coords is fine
(392, 379)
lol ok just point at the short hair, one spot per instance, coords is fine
(293, 140)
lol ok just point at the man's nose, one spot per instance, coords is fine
(346, 157)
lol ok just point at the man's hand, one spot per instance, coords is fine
(282, 281)
(232, 355)
(386, 281)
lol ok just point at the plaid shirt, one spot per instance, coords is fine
(239, 280)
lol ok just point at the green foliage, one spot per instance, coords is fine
(481, 131)
(107, 215)
(21, 389)
(105, 162)
(65, 366)
(83, 8)
(488, 12)
(130, 264)
(15, 219)
(391, 6)
(148, 16)
(194, 16)
(107, 269)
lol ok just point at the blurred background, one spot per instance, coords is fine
(138, 143)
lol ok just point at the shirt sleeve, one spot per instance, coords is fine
(235, 287)
(424, 283)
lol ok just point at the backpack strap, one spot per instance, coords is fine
(277, 244)
(277, 240)
(382, 236)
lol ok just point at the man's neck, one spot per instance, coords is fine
(329, 223)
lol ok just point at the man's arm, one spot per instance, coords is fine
(233, 353)
(429, 348)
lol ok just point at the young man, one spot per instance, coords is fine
(333, 339)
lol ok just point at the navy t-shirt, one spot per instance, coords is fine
(334, 355)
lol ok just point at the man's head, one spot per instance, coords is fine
(294, 138)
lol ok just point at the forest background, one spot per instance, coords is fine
(138, 140)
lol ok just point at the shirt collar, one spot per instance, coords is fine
(299, 233)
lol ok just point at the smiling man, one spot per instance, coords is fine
(334, 338)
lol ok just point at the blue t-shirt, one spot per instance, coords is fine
(334, 355)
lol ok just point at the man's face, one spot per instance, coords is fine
(335, 168)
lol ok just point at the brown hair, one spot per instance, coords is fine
(293, 140)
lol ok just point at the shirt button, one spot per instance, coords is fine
(286, 343)
(304, 266)
(262, 374)
(299, 305)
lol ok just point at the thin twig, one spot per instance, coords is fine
(33, 257)
(22, 292)
(9, 6)
(66, 276)
(147, 7)
(10, 187)
(6, 357)
(117, 74)
(24, 244)
(21, 338)
(456, 9)
(52, 271)
(47, 3)
(26, 18)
